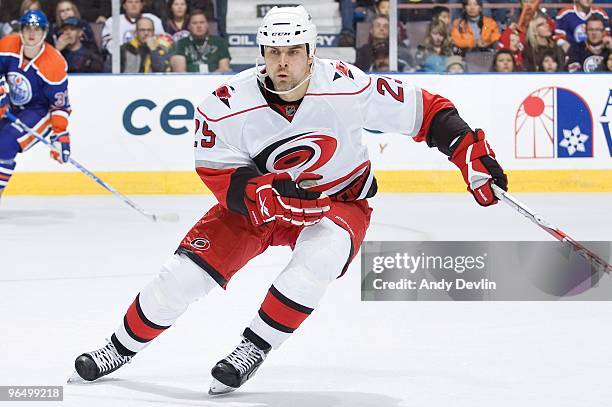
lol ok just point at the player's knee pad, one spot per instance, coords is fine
(179, 283)
(320, 254)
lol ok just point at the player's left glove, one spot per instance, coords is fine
(477, 163)
(61, 147)
(4, 99)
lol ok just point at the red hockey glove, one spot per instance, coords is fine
(277, 196)
(477, 163)
(61, 147)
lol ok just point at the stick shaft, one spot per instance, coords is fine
(557, 233)
(81, 168)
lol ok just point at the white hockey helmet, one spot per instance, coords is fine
(286, 26)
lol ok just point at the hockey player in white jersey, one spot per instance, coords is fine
(280, 147)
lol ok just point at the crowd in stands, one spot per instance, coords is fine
(175, 35)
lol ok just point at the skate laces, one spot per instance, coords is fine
(107, 358)
(245, 356)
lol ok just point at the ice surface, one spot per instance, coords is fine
(70, 266)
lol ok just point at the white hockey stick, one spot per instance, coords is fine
(168, 217)
(596, 261)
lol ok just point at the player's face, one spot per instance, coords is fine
(198, 26)
(179, 8)
(472, 8)
(595, 32)
(32, 34)
(549, 64)
(132, 8)
(585, 3)
(286, 66)
(65, 10)
(504, 63)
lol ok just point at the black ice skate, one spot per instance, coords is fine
(238, 367)
(95, 364)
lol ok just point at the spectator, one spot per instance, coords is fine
(379, 32)
(176, 23)
(63, 10)
(609, 62)
(80, 58)
(473, 30)
(200, 52)
(441, 13)
(455, 64)
(156, 7)
(380, 58)
(590, 56)
(513, 40)
(347, 15)
(540, 42)
(571, 23)
(146, 52)
(95, 11)
(132, 11)
(431, 56)
(379, 8)
(550, 62)
(503, 61)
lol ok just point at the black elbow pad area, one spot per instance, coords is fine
(446, 127)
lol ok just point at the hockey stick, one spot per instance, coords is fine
(168, 217)
(596, 261)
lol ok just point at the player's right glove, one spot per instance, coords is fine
(477, 163)
(61, 147)
(278, 196)
(4, 99)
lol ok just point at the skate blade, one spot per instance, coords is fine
(217, 388)
(75, 378)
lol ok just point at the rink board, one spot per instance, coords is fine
(550, 132)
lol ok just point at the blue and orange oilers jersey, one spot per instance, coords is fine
(40, 84)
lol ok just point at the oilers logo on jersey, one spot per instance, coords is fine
(21, 89)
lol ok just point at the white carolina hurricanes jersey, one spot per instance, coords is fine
(236, 126)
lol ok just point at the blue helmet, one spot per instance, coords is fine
(34, 17)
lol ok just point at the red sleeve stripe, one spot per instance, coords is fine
(432, 104)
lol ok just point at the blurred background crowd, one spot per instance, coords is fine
(431, 35)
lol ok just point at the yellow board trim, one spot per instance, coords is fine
(188, 182)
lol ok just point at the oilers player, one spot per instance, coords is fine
(37, 93)
(280, 147)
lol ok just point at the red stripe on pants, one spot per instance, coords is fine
(138, 326)
(282, 313)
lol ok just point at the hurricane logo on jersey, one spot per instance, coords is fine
(21, 89)
(342, 70)
(553, 123)
(224, 93)
(304, 152)
(200, 243)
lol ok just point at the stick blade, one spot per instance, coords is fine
(166, 217)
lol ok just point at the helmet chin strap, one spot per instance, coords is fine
(262, 78)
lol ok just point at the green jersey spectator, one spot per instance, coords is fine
(200, 52)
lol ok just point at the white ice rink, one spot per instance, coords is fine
(70, 266)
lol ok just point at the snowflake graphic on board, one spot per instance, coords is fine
(573, 140)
